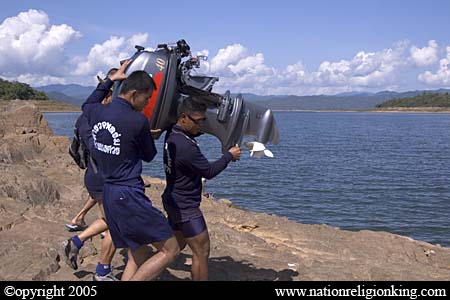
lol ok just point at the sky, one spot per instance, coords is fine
(279, 47)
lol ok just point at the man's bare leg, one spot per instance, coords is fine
(180, 239)
(130, 268)
(200, 246)
(168, 250)
(79, 218)
(107, 249)
(95, 228)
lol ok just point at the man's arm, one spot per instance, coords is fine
(203, 167)
(102, 90)
(98, 94)
(146, 144)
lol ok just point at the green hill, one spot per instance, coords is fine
(18, 90)
(422, 100)
(344, 101)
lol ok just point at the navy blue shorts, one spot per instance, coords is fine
(132, 219)
(189, 226)
(96, 195)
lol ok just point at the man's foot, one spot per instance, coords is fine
(70, 252)
(107, 277)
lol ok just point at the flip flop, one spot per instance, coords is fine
(75, 227)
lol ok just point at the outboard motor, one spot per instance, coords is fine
(228, 118)
(234, 118)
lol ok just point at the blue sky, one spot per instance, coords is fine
(281, 47)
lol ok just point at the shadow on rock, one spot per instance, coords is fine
(225, 268)
(83, 275)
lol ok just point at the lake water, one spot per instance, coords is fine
(376, 171)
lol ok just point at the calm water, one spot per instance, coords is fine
(384, 172)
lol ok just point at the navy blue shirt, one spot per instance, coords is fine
(121, 138)
(185, 166)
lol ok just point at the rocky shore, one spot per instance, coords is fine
(44, 105)
(41, 189)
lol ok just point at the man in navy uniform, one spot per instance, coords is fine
(121, 139)
(185, 166)
(93, 182)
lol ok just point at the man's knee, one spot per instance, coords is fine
(171, 248)
(204, 249)
(200, 245)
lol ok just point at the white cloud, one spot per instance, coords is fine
(365, 63)
(235, 67)
(39, 80)
(30, 45)
(204, 52)
(137, 39)
(250, 64)
(104, 56)
(442, 76)
(36, 79)
(425, 56)
(226, 57)
(336, 73)
(366, 70)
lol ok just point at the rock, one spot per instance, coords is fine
(22, 117)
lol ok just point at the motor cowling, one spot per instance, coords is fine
(162, 65)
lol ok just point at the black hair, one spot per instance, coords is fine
(191, 105)
(139, 81)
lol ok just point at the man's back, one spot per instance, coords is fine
(121, 138)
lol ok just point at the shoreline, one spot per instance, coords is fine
(60, 111)
(43, 105)
(436, 110)
(296, 110)
(52, 106)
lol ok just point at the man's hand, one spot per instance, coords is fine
(235, 152)
(120, 74)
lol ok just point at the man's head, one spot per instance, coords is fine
(191, 115)
(137, 89)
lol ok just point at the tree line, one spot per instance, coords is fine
(422, 100)
(18, 90)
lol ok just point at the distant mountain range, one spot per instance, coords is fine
(346, 101)
(75, 94)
